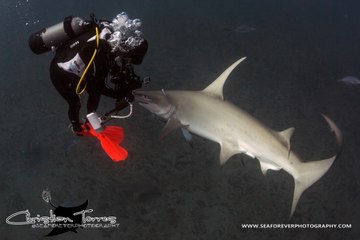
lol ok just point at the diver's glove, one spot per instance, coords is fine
(137, 83)
(129, 97)
(121, 104)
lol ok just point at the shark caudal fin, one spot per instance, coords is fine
(310, 172)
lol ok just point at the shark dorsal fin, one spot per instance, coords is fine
(286, 136)
(216, 88)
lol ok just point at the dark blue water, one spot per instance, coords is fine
(167, 190)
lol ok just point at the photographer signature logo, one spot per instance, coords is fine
(62, 219)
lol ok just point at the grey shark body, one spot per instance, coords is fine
(205, 113)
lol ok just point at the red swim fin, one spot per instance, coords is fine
(110, 138)
(113, 149)
(115, 133)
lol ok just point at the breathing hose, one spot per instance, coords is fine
(125, 116)
(78, 90)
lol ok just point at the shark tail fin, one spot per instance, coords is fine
(310, 172)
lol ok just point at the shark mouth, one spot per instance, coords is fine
(142, 98)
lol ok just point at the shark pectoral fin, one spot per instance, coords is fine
(215, 89)
(227, 151)
(187, 135)
(171, 125)
(265, 166)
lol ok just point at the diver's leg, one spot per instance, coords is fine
(74, 112)
(93, 101)
(65, 84)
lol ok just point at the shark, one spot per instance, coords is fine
(206, 114)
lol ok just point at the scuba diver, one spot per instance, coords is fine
(93, 56)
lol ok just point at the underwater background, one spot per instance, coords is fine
(296, 50)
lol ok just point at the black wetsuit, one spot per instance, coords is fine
(68, 64)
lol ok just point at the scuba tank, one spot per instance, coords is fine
(54, 36)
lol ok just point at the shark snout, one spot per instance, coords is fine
(156, 102)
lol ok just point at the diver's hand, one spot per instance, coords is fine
(129, 97)
(121, 104)
(136, 84)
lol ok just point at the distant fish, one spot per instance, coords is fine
(350, 80)
(240, 29)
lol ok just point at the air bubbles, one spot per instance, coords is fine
(20, 4)
(34, 22)
(136, 23)
(119, 21)
(123, 23)
(138, 33)
(133, 41)
(23, 9)
(125, 35)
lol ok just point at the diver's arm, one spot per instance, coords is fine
(124, 79)
(125, 91)
(108, 91)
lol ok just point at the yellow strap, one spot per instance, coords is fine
(78, 90)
